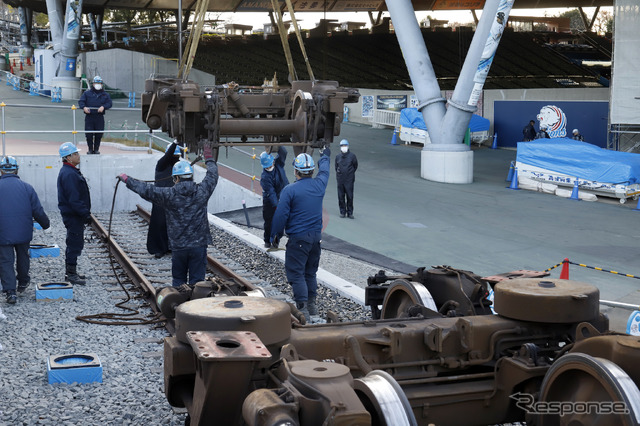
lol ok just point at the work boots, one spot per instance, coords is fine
(72, 276)
(313, 308)
(304, 310)
(11, 297)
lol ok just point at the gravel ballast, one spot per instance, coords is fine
(132, 388)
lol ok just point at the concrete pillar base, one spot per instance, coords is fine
(71, 87)
(447, 166)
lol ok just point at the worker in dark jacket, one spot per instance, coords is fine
(157, 238)
(94, 102)
(16, 227)
(529, 132)
(346, 166)
(185, 205)
(299, 213)
(272, 181)
(74, 203)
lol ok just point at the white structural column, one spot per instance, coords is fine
(447, 159)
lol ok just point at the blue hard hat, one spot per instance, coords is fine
(97, 79)
(8, 164)
(182, 168)
(344, 142)
(67, 149)
(266, 160)
(179, 149)
(304, 163)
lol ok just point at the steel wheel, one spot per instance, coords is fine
(579, 379)
(401, 295)
(385, 400)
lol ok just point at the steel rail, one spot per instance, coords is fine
(132, 271)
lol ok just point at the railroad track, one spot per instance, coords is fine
(137, 271)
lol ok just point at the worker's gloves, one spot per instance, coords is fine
(207, 152)
(123, 177)
(325, 151)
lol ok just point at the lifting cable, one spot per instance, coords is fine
(285, 41)
(131, 318)
(193, 40)
(294, 21)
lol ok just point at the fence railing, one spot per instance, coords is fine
(383, 118)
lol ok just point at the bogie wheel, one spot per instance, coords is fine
(587, 391)
(403, 294)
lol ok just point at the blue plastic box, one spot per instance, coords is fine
(54, 291)
(40, 250)
(78, 368)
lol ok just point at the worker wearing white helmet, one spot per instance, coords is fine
(577, 136)
(94, 102)
(346, 166)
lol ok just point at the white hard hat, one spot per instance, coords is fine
(575, 131)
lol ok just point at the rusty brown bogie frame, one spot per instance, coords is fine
(306, 116)
(458, 364)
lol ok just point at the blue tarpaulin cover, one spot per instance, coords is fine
(410, 117)
(581, 159)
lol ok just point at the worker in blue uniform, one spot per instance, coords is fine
(299, 213)
(346, 166)
(273, 180)
(185, 205)
(94, 102)
(19, 207)
(74, 202)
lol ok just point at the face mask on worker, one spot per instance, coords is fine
(269, 169)
(344, 149)
(97, 86)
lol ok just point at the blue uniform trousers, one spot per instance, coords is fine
(345, 196)
(189, 261)
(93, 122)
(301, 264)
(75, 239)
(10, 255)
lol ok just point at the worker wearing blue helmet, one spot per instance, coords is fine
(299, 213)
(19, 207)
(94, 102)
(273, 180)
(185, 205)
(74, 203)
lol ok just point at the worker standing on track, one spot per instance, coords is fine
(299, 213)
(273, 180)
(74, 202)
(94, 102)
(185, 205)
(16, 228)
(157, 238)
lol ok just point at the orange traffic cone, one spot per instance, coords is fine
(11, 69)
(14, 62)
(29, 61)
(21, 68)
(564, 273)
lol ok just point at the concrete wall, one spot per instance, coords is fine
(41, 171)
(127, 70)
